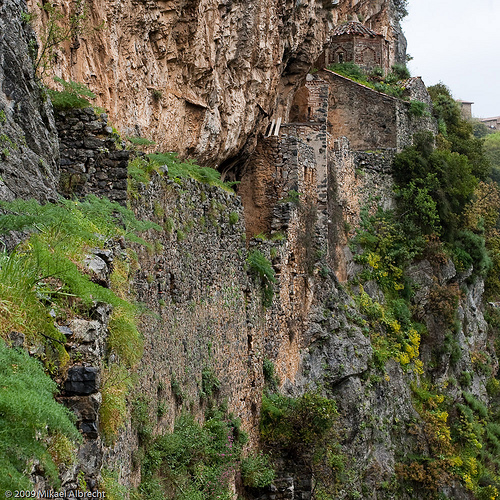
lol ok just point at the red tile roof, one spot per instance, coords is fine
(353, 28)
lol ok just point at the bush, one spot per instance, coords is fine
(433, 186)
(469, 250)
(30, 419)
(73, 95)
(195, 461)
(256, 471)
(272, 381)
(263, 269)
(417, 108)
(210, 384)
(296, 423)
(400, 71)
(233, 218)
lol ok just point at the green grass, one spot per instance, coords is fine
(188, 169)
(140, 141)
(391, 85)
(47, 269)
(46, 274)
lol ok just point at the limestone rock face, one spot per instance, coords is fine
(28, 138)
(202, 77)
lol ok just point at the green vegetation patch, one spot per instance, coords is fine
(74, 95)
(45, 275)
(33, 425)
(296, 422)
(391, 85)
(188, 169)
(262, 268)
(196, 461)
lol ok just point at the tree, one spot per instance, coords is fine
(492, 152)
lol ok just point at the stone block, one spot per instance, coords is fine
(92, 143)
(119, 155)
(82, 380)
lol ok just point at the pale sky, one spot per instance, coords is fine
(457, 42)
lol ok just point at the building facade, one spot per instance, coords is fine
(354, 42)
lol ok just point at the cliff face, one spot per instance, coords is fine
(29, 149)
(201, 77)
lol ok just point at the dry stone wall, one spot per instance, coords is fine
(93, 159)
(205, 312)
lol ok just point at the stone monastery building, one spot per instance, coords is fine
(354, 42)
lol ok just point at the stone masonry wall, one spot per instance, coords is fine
(92, 159)
(366, 117)
(205, 312)
(357, 179)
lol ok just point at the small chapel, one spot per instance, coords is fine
(354, 42)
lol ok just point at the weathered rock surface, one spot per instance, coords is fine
(28, 137)
(203, 77)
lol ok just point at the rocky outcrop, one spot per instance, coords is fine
(28, 138)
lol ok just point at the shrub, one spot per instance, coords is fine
(470, 250)
(400, 71)
(34, 426)
(270, 377)
(196, 461)
(233, 218)
(210, 384)
(256, 471)
(73, 95)
(45, 271)
(176, 390)
(492, 149)
(417, 108)
(296, 423)
(156, 95)
(263, 269)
